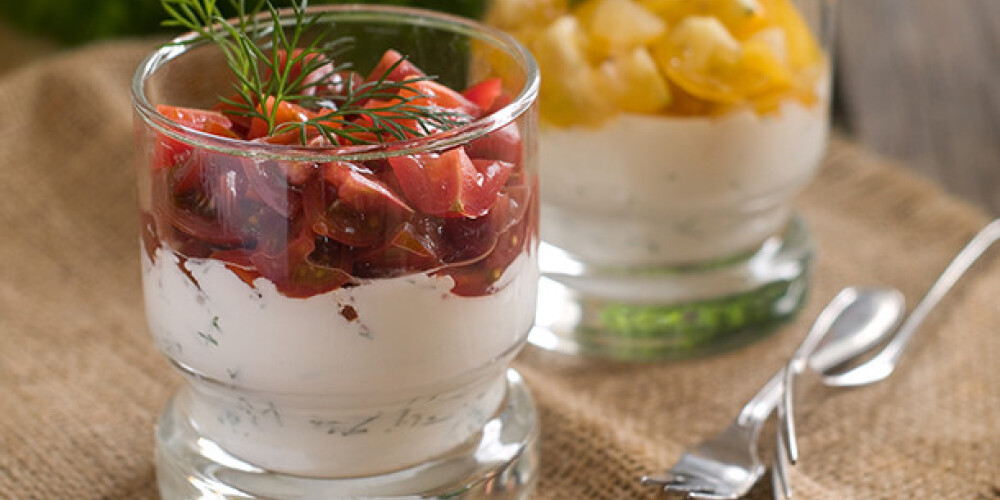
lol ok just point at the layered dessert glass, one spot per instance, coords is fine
(344, 307)
(675, 135)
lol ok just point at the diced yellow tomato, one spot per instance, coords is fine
(803, 48)
(741, 17)
(761, 70)
(570, 91)
(616, 26)
(635, 82)
(676, 57)
(775, 40)
(514, 14)
(701, 56)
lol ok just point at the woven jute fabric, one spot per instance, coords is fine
(81, 384)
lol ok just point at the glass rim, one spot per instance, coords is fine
(413, 16)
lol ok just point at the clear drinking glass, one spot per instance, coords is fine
(339, 340)
(674, 137)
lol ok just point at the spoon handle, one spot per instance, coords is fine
(883, 364)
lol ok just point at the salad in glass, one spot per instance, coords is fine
(675, 135)
(340, 253)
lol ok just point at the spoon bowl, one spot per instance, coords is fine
(872, 316)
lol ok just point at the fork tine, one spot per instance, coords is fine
(664, 479)
(787, 417)
(779, 468)
(778, 491)
(779, 476)
(703, 495)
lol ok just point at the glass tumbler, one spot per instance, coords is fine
(674, 138)
(338, 336)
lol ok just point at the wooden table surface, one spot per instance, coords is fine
(917, 80)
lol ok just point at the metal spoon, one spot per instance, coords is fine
(867, 317)
(873, 315)
(883, 364)
(854, 321)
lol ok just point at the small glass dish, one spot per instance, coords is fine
(674, 138)
(341, 332)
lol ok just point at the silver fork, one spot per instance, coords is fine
(878, 368)
(727, 466)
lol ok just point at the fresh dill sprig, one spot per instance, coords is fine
(390, 111)
(269, 64)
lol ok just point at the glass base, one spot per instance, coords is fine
(500, 462)
(670, 312)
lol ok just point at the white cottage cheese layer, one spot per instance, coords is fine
(655, 190)
(301, 385)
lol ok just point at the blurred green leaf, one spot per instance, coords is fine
(75, 21)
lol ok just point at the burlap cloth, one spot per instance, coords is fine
(81, 384)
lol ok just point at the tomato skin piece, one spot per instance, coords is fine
(450, 184)
(493, 174)
(484, 93)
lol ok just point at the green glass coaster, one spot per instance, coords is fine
(671, 312)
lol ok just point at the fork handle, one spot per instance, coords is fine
(756, 411)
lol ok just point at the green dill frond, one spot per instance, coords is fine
(276, 57)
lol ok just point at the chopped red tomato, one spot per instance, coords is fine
(311, 227)
(415, 247)
(168, 151)
(436, 94)
(194, 118)
(512, 231)
(270, 183)
(484, 93)
(292, 272)
(404, 68)
(425, 93)
(317, 79)
(360, 192)
(241, 123)
(330, 213)
(502, 144)
(450, 184)
(286, 113)
(213, 211)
